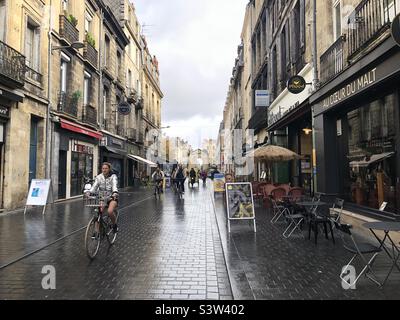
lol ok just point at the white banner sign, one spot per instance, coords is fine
(38, 193)
(262, 98)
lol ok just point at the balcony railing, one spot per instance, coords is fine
(332, 61)
(33, 75)
(89, 115)
(259, 119)
(90, 54)
(368, 21)
(68, 30)
(68, 104)
(12, 66)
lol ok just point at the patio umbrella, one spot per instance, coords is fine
(272, 153)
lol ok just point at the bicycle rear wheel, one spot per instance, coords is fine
(92, 238)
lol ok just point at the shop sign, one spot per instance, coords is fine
(4, 112)
(81, 148)
(117, 142)
(124, 108)
(262, 98)
(396, 29)
(351, 89)
(275, 117)
(296, 84)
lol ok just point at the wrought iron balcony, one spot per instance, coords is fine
(370, 19)
(68, 104)
(332, 61)
(89, 115)
(68, 30)
(33, 75)
(90, 54)
(12, 66)
(259, 119)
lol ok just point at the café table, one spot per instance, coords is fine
(387, 227)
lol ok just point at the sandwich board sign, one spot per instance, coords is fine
(219, 183)
(39, 194)
(240, 203)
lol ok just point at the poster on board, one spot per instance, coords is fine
(219, 182)
(239, 202)
(38, 193)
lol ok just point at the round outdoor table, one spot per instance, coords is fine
(311, 203)
(386, 227)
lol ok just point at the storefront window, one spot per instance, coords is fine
(372, 155)
(81, 166)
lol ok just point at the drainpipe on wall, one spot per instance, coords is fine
(49, 88)
(315, 88)
(100, 116)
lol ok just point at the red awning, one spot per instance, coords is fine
(77, 128)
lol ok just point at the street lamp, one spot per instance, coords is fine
(75, 45)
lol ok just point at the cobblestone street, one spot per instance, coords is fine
(174, 249)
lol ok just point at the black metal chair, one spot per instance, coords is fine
(358, 249)
(320, 216)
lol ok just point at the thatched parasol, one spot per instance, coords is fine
(272, 153)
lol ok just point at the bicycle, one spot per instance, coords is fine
(157, 189)
(180, 187)
(100, 226)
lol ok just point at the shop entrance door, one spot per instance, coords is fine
(62, 175)
(33, 150)
(81, 166)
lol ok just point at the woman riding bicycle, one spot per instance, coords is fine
(107, 182)
(158, 178)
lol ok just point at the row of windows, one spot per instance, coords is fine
(286, 49)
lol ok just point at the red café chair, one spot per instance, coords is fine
(296, 194)
(285, 186)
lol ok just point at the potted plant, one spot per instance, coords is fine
(73, 20)
(90, 40)
(75, 98)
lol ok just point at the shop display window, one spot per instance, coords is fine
(372, 155)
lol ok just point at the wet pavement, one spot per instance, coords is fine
(166, 249)
(266, 266)
(173, 249)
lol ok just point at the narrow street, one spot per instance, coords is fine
(173, 249)
(166, 249)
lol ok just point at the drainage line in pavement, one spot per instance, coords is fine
(226, 255)
(67, 236)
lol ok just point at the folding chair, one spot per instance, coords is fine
(277, 200)
(295, 220)
(336, 210)
(358, 250)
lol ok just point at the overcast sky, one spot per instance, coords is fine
(196, 45)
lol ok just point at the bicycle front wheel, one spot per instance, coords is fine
(92, 238)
